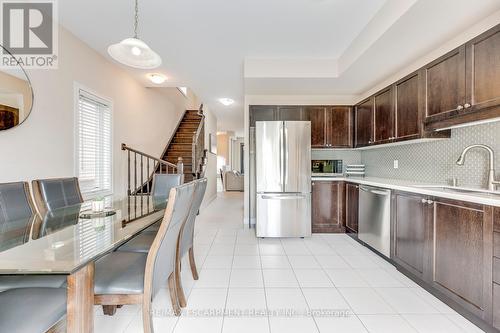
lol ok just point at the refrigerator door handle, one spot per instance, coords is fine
(283, 197)
(282, 157)
(285, 167)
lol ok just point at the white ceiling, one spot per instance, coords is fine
(204, 44)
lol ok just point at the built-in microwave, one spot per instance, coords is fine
(327, 167)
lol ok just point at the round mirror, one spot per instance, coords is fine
(16, 95)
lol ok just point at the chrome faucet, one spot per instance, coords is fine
(492, 182)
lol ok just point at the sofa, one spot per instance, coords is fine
(233, 181)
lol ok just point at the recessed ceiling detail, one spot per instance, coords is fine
(235, 48)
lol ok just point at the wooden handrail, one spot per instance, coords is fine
(142, 166)
(174, 166)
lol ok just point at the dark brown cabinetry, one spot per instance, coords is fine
(262, 113)
(462, 254)
(496, 258)
(331, 126)
(327, 207)
(384, 115)
(445, 84)
(407, 107)
(317, 116)
(363, 130)
(483, 71)
(412, 223)
(339, 126)
(351, 207)
(464, 85)
(292, 113)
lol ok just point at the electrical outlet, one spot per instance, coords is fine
(396, 164)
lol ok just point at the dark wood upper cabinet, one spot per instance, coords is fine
(412, 223)
(351, 207)
(483, 71)
(317, 116)
(339, 126)
(463, 235)
(445, 85)
(291, 113)
(408, 120)
(384, 115)
(331, 126)
(262, 113)
(327, 207)
(363, 130)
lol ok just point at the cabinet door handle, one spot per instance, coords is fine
(424, 201)
(467, 105)
(430, 202)
(312, 184)
(460, 107)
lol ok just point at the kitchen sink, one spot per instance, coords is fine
(455, 189)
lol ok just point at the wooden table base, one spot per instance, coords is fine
(80, 303)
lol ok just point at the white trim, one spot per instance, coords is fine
(77, 87)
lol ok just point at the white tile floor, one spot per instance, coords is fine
(327, 283)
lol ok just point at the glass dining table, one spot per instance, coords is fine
(68, 241)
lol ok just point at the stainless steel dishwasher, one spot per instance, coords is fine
(375, 218)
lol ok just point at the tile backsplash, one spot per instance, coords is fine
(434, 161)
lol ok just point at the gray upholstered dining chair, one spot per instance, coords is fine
(135, 277)
(186, 239)
(32, 310)
(17, 218)
(50, 194)
(162, 184)
(16, 213)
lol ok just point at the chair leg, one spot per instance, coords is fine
(173, 294)
(192, 263)
(178, 284)
(109, 310)
(147, 316)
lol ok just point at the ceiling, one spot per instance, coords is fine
(222, 48)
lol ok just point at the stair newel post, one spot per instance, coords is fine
(180, 168)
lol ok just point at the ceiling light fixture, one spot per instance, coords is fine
(133, 51)
(226, 101)
(157, 78)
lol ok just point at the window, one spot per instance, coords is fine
(93, 144)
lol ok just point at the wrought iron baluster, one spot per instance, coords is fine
(135, 185)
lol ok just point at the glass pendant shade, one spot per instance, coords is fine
(135, 53)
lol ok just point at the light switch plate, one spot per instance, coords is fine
(396, 164)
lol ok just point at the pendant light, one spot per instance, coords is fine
(134, 52)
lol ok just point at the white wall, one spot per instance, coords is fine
(42, 146)
(211, 171)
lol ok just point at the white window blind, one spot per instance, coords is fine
(94, 145)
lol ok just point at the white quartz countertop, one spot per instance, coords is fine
(491, 199)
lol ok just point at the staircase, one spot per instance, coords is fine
(187, 143)
(184, 154)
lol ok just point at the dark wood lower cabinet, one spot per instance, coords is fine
(412, 225)
(328, 207)
(351, 207)
(463, 237)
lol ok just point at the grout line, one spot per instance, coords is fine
(229, 281)
(264, 285)
(300, 287)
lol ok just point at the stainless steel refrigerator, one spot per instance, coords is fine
(283, 174)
